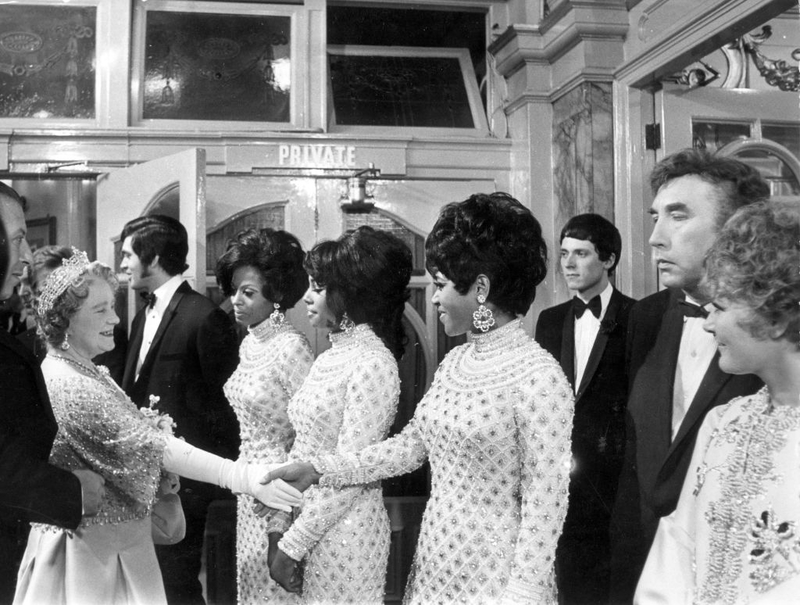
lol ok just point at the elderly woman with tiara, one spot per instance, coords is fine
(735, 535)
(495, 423)
(109, 558)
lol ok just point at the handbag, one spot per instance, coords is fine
(167, 520)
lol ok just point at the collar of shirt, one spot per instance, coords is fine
(164, 294)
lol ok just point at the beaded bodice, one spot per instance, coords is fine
(495, 425)
(747, 500)
(101, 429)
(347, 402)
(273, 362)
(346, 379)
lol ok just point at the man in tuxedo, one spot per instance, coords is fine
(587, 336)
(182, 349)
(674, 370)
(31, 490)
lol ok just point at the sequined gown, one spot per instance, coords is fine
(495, 426)
(110, 558)
(347, 403)
(734, 535)
(273, 362)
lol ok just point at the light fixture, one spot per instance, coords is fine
(355, 199)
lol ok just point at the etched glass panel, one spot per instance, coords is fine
(787, 135)
(399, 91)
(47, 56)
(715, 135)
(201, 66)
(782, 181)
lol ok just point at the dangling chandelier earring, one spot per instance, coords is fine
(65, 343)
(346, 324)
(276, 317)
(482, 317)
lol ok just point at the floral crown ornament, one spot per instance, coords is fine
(62, 278)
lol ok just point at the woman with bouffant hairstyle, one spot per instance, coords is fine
(262, 273)
(358, 286)
(733, 537)
(495, 423)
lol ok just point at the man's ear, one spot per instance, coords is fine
(609, 262)
(154, 263)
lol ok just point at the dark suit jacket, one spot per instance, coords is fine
(598, 425)
(194, 351)
(655, 466)
(30, 488)
(598, 437)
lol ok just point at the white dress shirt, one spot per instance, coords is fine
(695, 355)
(164, 294)
(586, 329)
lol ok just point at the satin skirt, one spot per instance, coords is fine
(97, 565)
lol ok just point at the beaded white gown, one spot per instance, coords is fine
(273, 363)
(734, 536)
(110, 559)
(348, 402)
(495, 426)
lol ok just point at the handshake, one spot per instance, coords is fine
(287, 483)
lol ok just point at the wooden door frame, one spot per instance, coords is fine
(701, 28)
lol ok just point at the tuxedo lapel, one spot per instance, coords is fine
(599, 346)
(136, 337)
(568, 346)
(713, 381)
(658, 382)
(166, 319)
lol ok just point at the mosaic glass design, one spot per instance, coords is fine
(399, 91)
(201, 66)
(47, 56)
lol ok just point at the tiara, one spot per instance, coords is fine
(61, 278)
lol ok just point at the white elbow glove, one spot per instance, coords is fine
(240, 477)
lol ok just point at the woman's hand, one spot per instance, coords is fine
(286, 572)
(300, 475)
(274, 538)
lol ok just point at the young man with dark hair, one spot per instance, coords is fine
(31, 490)
(587, 336)
(674, 370)
(182, 349)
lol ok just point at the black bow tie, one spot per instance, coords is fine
(594, 305)
(692, 310)
(149, 298)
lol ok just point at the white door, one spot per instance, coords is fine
(761, 128)
(172, 185)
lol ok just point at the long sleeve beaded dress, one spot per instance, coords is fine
(109, 559)
(733, 538)
(495, 426)
(348, 402)
(274, 360)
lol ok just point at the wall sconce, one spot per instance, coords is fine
(355, 199)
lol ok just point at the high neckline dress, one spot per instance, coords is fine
(274, 360)
(347, 403)
(496, 426)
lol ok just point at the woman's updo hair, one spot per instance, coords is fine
(365, 274)
(755, 261)
(52, 324)
(278, 257)
(494, 235)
